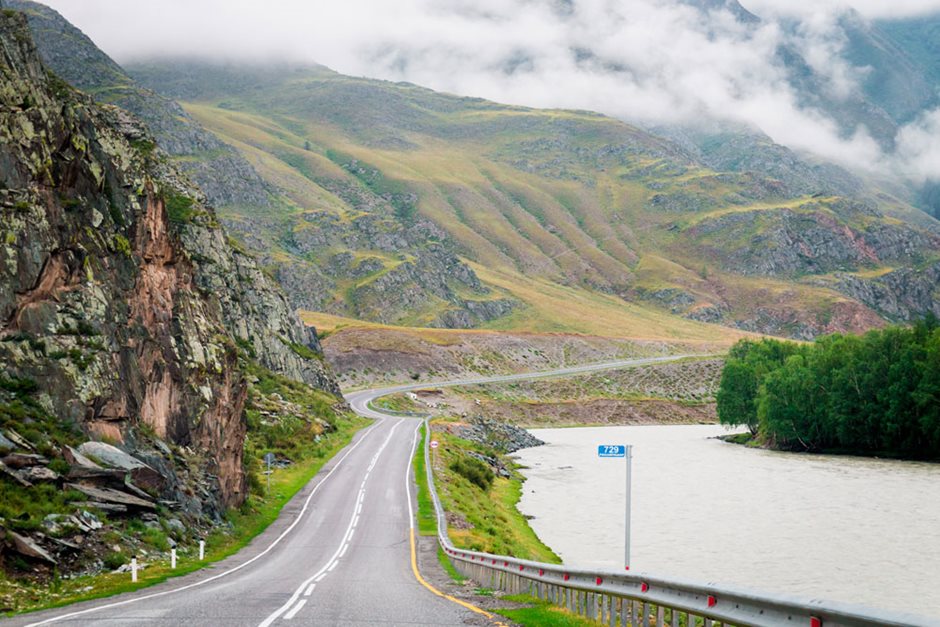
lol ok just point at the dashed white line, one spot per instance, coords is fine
(333, 560)
(310, 589)
(296, 609)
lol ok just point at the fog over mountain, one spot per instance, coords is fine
(790, 69)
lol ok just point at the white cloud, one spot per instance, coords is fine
(653, 61)
(918, 152)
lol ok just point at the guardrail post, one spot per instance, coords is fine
(661, 616)
(611, 612)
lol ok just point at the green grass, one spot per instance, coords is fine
(542, 614)
(496, 525)
(179, 208)
(449, 567)
(427, 521)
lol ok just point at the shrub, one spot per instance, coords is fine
(114, 560)
(474, 471)
(179, 208)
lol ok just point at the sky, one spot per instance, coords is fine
(649, 62)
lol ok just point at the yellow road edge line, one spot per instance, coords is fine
(414, 568)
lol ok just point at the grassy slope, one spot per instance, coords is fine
(494, 523)
(530, 196)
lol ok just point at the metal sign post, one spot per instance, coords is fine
(269, 459)
(626, 452)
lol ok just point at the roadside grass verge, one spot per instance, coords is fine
(449, 567)
(246, 523)
(541, 613)
(484, 518)
(427, 521)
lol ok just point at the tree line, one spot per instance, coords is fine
(873, 394)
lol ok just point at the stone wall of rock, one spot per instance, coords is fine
(119, 294)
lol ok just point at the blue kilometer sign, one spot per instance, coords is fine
(611, 450)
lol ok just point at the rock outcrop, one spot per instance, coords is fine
(121, 296)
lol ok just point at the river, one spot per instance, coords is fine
(847, 529)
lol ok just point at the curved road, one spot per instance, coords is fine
(339, 553)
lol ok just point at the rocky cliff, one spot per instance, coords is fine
(126, 317)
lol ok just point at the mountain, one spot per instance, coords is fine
(919, 38)
(397, 204)
(133, 335)
(566, 198)
(443, 292)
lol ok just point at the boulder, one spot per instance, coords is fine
(6, 445)
(77, 460)
(24, 460)
(15, 475)
(29, 548)
(19, 440)
(142, 474)
(107, 495)
(38, 474)
(113, 508)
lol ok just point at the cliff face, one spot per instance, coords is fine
(119, 293)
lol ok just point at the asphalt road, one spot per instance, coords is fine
(339, 554)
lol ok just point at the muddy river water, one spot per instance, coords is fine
(840, 528)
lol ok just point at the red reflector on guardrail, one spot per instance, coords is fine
(494, 561)
(521, 567)
(815, 621)
(644, 587)
(505, 563)
(599, 581)
(567, 576)
(712, 601)
(541, 572)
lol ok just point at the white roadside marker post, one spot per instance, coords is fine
(134, 569)
(202, 550)
(173, 559)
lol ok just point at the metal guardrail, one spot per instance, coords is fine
(395, 412)
(637, 599)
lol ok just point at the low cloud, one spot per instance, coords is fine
(647, 61)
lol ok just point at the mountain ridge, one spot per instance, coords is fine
(384, 198)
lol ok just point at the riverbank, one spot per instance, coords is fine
(755, 441)
(480, 487)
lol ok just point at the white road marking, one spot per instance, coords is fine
(310, 589)
(414, 446)
(331, 564)
(196, 584)
(346, 546)
(296, 609)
